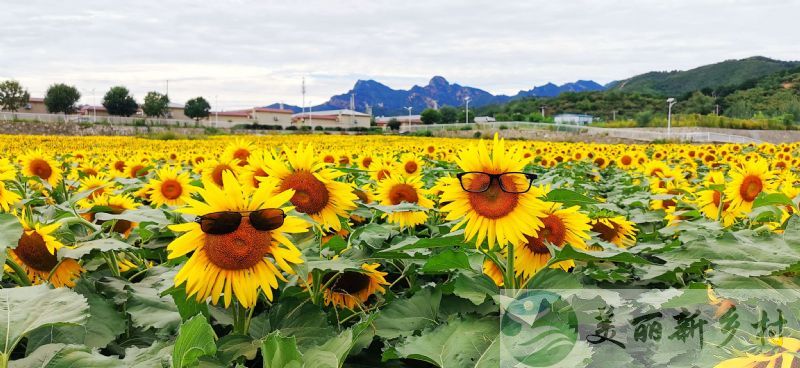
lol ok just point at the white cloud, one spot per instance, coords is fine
(253, 53)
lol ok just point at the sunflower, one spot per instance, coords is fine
(410, 165)
(36, 251)
(397, 189)
(353, 288)
(493, 215)
(244, 261)
(239, 150)
(137, 167)
(36, 163)
(212, 170)
(785, 355)
(494, 272)
(7, 170)
(114, 204)
(256, 169)
(748, 180)
(616, 230)
(99, 185)
(170, 187)
(316, 191)
(381, 169)
(7, 198)
(561, 226)
(709, 200)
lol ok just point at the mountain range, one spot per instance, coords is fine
(385, 101)
(438, 92)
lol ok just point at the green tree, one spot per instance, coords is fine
(197, 108)
(699, 103)
(13, 96)
(155, 104)
(449, 114)
(118, 101)
(431, 116)
(644, 118)
(462, 118)
(61, 98)
(393, 124)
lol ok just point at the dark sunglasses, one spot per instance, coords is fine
(510, 182)
(218, 223)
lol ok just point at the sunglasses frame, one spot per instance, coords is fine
(199, 219)
(496, 177)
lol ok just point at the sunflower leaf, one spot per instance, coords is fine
(85, 248)
(569, 198)
(25, 309)
(404, 316)
(447, 260)
(610, 255)
(10, 233)
(461, 342)
(196, 338)
(66, 356)
(279, 351)
(137, 215)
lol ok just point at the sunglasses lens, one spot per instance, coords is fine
(267, 219)
(515, 182)
(219, 223)
(475, 182)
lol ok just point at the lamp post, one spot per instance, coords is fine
(671, 102)
(466, 110)
(409, 116)
(94, 108)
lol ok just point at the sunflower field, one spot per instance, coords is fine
(367, 251)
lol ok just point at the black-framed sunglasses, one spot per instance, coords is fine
(225, 222)
(510, 182)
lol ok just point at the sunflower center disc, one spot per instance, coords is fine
(240, 249)
(553, 232)
(750, 188)
(366, 161)
(171, 189)
(137, 171)
(242, 154)
(310, 195)
(403, 193)
(606, 232)
(349, 282)
(411, 167)
(259, 173)
(216, 174)
(32, 250)
(41, 168)
(494, 203)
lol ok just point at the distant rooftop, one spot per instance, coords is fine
(331, 112)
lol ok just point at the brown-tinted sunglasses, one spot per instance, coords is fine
(225, 222)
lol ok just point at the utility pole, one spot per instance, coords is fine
(216, 110)
(466, 110)
(409, 116)
(543, 107)
(167, 87)
(94, 108)
(717, 109)
(671, 101)
(615, 114)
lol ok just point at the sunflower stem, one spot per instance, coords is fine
(115, 264)
(510, 279)
(19, 272)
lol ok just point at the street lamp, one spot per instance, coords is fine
(671, 101)
(466, 110)
(409, 116)
(94, 108)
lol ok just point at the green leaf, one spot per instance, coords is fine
(475, 289)
(25, 309)
(187, 307)
(10, 233)
(230, 347)
(195, 339)
(446, 261)
(772, 199)
(104, 324)
(66, 356)
(137, 215)
(404, 316)
(568, 197)
(373, 235)
(304, 321)
(334, 352)
(280, 352)
(610, 255)
(83, 249)
(457, 343)
(455, 239)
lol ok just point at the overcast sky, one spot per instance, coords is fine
(246, 53)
